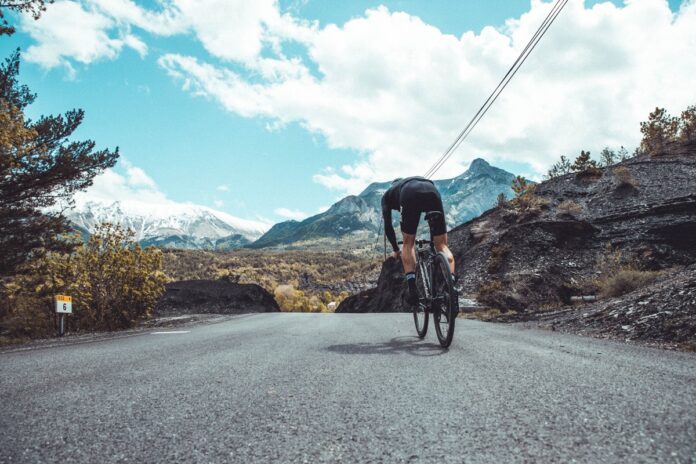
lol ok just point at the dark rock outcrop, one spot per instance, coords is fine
(388, 297)
(214, 297)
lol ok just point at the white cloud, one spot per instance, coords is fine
(398, 90)
(68, 32)
(218, 203)
(290, 214)
(222, 188)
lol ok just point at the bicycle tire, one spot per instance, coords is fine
(421, 310)
(444, 294)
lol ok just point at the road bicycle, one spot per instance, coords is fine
(436, 291)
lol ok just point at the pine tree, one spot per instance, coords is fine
(560, 168)
(623, 154)
(39, 167)
(519, 186)
(583, 162)
(607, 157)
(659, 129)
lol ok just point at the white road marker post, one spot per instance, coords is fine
(63, 307)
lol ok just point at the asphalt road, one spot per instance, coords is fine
(346, 387)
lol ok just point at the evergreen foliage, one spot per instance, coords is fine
(583, 162)
(560, 168)
(607, 157)
(662, 129)
(39, 169)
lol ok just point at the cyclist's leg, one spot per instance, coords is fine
(408, 254)
(440, 242)
(438, 227)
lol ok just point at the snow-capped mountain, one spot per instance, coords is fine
(179, 225)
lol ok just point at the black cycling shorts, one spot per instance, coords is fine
(418, 197)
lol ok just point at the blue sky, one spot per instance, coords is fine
(169, 96)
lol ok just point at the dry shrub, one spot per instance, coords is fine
(498, 254)
(620, 275)
(291, 300)
(529, 201)
(624, 178)
(569, 208)
(624, 281)
(488, 293)
(592, 173)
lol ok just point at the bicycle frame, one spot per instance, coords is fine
(425, 256)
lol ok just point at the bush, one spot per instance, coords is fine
(498, 254)
(113, 282)
(624, 281)
(620, 275)
(624, 178)
(291, 300)
(569, 208)
(527, 201)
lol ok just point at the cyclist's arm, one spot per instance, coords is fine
(389, 228)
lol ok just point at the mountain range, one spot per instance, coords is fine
(182, 226)
(356, 219)
(352, 221)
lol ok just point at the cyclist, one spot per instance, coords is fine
(413, 196)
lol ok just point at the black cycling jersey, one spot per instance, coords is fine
(412, 196)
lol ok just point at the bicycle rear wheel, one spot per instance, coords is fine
(444, 301)
(420, 311)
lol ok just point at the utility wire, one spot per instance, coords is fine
(531, 45)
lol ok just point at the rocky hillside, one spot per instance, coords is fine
(580, 234)
(355, 220)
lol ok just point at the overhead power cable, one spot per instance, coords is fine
(531, 45)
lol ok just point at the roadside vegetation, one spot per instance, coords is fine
(113, 281)
(114, 284)
(619, 275)
(299, 280)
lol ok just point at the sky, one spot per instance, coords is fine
(270, 110)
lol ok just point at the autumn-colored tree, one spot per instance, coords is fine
(39, 167)
(687, 124)
(32, 7)
(113, 281)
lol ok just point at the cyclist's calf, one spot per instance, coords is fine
(440, 242)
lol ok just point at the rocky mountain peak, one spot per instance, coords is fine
(479, 165)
